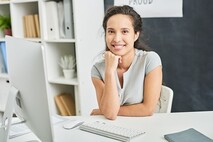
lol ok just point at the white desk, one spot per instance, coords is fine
(155, 127)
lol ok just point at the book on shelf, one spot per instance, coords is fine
(31, 26)
(65, 104)
(188, 135)
(37, 25)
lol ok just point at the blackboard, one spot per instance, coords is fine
(185, 46)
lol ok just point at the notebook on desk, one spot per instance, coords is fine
(189, 135)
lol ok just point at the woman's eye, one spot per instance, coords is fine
(125, 31)
(110, 31)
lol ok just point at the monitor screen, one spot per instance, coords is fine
(27, 74)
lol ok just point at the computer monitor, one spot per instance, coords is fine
(27, 74)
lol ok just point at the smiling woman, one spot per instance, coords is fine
(128, 80)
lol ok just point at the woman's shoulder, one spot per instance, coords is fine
(99, 63)
(147, 54)
(150, 59)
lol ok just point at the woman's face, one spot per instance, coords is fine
(120, 35)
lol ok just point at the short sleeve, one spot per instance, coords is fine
(95, 72)
(153, 60)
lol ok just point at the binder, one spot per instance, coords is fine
(61, 19)
(68, 17)
(2, 67)
(3, 52)
(52, 20)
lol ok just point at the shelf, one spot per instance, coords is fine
(62, 80)
(2, 108)
(4, 76)
(34, 39)
(23, 1)
(4, 2)
(30, 39)
(60, 40)
(2, 39)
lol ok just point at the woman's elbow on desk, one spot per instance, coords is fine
(108, 115)
(111, 115)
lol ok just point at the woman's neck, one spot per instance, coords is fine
(126, 60)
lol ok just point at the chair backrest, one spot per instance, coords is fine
(166, 99)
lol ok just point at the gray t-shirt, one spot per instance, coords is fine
(133, 78)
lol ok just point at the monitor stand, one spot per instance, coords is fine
(8, 114)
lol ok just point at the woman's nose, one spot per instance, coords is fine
(117, 37)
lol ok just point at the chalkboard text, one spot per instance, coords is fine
(140, 2)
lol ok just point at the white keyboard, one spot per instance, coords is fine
(111, 131)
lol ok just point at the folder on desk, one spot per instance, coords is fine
(68, 17)
(189, 135)
(52, 19)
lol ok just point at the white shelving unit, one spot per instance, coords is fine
(88, 42)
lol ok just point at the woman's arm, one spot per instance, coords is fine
(107, 93)
(107, 97)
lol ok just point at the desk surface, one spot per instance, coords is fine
(155, 126)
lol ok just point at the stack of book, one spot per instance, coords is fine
(65, 104)
(31, 26)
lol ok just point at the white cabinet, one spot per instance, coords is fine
(88, 41)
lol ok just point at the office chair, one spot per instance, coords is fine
(166, 99)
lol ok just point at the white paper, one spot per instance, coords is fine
(155, 8)
(18, 130)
